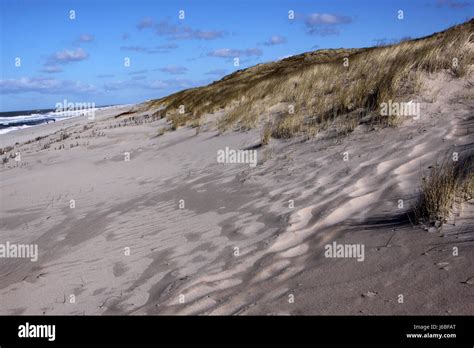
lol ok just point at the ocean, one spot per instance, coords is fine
(14, 120)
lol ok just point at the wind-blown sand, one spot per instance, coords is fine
(191, 251)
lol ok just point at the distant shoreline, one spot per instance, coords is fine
(16, 120)
(42, 111)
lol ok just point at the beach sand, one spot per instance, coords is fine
(237, 246)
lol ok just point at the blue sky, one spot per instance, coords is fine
(83, 59)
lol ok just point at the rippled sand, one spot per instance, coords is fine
(236, 247)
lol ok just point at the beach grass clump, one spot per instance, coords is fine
(178, 120)
(5, 150)
(346, 125)
(446, 184)
(64, 135)
(287, 127)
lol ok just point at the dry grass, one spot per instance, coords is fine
(321, 88)
(266, 135)
(178, 120)
(447, 183)
(287, 126)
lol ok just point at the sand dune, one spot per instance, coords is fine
(236, 246)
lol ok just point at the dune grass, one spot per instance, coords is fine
(266, 134)
(448, 183)
(324, 85)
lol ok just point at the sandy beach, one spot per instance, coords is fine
(128, 221)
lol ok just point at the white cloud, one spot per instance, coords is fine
(43, 85)
(325, 24)
(145, 23)
(150, 50)
(231, 53)
(178, 31)
(67, 56)
(275, 40)
(50, 69)
(314, 19)
(174, 70)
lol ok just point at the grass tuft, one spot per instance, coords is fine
(447, 183)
